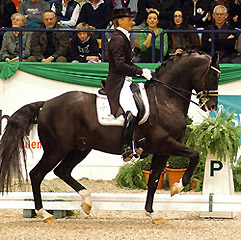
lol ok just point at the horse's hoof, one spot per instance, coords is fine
(49, 219)
(158, 221)
(154, 218)
(86, 208)
(176, 188)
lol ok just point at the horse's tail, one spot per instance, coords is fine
(12, 144)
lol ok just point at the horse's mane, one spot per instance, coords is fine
(172, 59)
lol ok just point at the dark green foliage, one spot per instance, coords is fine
(216, 136)
(177, 162)
(131, 176)
(219, 137)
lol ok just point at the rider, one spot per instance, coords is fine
(118, 84)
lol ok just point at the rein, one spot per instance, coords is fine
(174, 89)
(202, 95)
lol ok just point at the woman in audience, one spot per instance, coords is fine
(84, 47)
(178, 42)
(145, 39)
(10, 45)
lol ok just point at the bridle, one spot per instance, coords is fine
(203, 95)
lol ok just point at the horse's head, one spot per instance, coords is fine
(207, 85)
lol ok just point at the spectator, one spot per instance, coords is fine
(67, 12)
(224, 43)
(166, 8)
(84, 47)
(10, 46)
(197, 12)
(178, 42)
(145, 39)
(49, 46)
(235, 13)
(33, 11)
(94, 13)
(7, 9)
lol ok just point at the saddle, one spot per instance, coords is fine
(104, 115)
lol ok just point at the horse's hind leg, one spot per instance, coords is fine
(63, 171)
(37, 174)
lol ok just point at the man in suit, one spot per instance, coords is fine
(49, 46)
(117, 83)
(224, 43)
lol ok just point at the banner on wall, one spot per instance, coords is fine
(233, 102)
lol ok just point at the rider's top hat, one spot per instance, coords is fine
(121, 12)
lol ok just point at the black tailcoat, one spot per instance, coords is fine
(120, 66)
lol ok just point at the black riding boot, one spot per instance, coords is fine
(127, 136)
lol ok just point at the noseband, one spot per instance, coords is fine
(204, 95)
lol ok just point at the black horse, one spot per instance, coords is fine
(68, 129)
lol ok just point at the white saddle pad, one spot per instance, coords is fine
(104, 115)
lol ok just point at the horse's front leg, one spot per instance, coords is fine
(180, 149)
(157, 165)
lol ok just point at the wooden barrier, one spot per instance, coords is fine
(60, 202)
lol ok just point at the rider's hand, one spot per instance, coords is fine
(147, 73)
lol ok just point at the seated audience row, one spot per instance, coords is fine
(54, 46)
(48, 46)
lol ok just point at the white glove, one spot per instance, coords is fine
(146, 73)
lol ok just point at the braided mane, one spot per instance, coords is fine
(172, 59)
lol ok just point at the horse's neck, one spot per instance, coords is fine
(170, 94)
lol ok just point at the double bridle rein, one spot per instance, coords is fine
(203, 95)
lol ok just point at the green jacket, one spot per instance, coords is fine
(39, 43)
(143, 35)
(10, 45)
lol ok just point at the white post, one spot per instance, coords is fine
(218, 179)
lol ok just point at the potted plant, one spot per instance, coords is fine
(176, 167)
(217, 136)
(135, 174)
(130, 175)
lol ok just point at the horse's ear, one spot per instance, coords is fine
(215, 59)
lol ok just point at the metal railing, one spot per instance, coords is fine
(103, 38)
(213, 32)
(104, 31)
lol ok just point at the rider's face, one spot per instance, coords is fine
(126, 23)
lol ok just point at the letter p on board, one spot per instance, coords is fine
(215, 166)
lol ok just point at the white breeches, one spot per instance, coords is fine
(127, 101)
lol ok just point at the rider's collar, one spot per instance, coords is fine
(124, 31)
